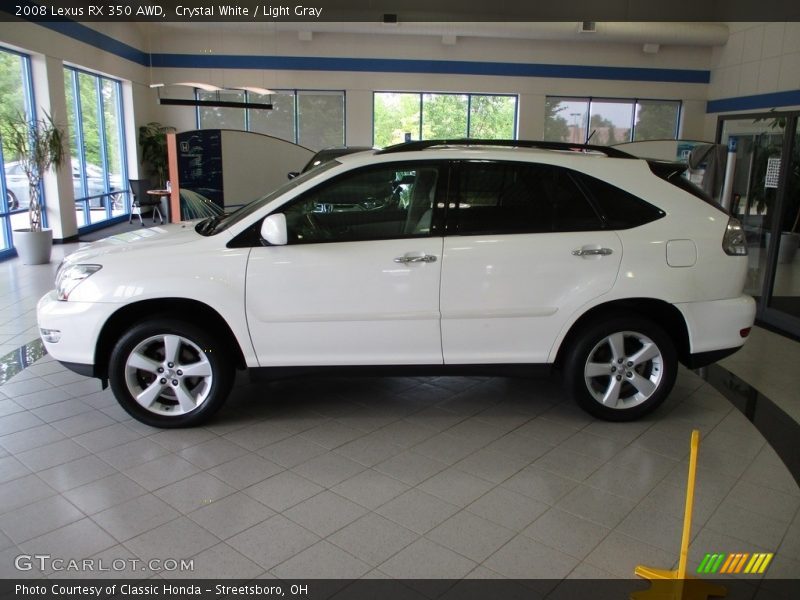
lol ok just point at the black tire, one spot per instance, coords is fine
(13, 202)
(639, 385)
(198, 351)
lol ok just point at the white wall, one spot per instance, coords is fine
(759, 58)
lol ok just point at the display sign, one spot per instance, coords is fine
(773, 172)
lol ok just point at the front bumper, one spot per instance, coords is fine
(79, 324)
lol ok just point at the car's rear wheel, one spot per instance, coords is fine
(621, 368)
(168, 373)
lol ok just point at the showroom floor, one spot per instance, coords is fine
(443, 477)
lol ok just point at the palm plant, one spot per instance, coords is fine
(38, 144)
(153, 140)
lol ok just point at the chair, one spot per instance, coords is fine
(141, 200)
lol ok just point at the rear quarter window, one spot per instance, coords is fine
(619, 209)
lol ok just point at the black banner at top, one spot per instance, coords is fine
(393, 12)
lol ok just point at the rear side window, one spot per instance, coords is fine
(520, 198)
(619, 209)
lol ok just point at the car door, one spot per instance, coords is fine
(358, 281)
(525, 249)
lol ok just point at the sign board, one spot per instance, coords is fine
(773, 172)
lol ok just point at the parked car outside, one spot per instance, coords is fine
(461, 257)
(17, 184)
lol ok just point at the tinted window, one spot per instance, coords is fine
(619, 209)
(521, 198)
(376, 203)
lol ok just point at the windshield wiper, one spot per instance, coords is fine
(207, 226)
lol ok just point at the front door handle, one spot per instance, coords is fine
(592, 252)
(425, 258)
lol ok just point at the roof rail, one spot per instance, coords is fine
(424, 144)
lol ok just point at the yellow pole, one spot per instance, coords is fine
(687, 515)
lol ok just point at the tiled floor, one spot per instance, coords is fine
(398, 477)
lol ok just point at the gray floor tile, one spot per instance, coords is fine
(76, 473)
(650, 524)
(283, 490)
(620, 555)
(231, 515)
(596, 505)
(176, 440)
(410, 467)
(569, 464)
(18, 422)
(57, 453)
(104, 493)
(323, 560)
(176, 539)
(245, 471)
(540, 485)
(446, 448)
(455, 486)
(370, 488)
(593, 445)
(106, 437)
(61, 410)
(508, 508)
(492, 465)
(194, 492)
(524, 558)
(136, 516)
(417, 510)
(470, 535)
(520, 446)
(291, 452)
(83, 423)
(623, 482)
(221, 562)
(9, 407)
(746, 525)
(371, 449)
(161, 471)
(11, 468)
(273, 541)
(325, 513)
(74, 541)
(38, 518)
(566, 533)
(405, 434)
(28, 439)
(28, 386)
(328, 469)
(424, 559)
(41, 398)
(373, 538)
(212, 453)
(257, 435)
(131, 454)
(547, 430)
(331, 435)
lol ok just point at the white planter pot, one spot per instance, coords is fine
(33, 247)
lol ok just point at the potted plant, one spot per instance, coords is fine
(153, 140)
(38, 145)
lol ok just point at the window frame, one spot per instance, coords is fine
(634, 101)
(74, 73)
(469, 95)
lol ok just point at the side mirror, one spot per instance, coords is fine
(273, 230)
(293, 174)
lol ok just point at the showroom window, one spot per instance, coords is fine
(16, 98)
(609, 121)
(425, 116)
(314, 119)
(372, 204)
(520, 198)
(98, 163)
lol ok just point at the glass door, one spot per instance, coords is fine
(785, 293)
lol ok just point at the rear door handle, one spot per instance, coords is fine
(425, 258)
(592, 252)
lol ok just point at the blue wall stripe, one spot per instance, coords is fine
(757, 101)
(390, 65)
(90, 36)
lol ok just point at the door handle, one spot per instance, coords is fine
(592, 252)
(425, 258)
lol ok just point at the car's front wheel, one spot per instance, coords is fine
(621, 368)
(13, 203)
(169, 373)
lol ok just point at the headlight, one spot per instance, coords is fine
(68, 278)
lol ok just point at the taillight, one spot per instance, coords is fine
(733, 242)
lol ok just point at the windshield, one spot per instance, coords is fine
(214, 225)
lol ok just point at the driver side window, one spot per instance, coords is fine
(385, 202)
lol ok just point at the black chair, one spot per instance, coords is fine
(141, 200)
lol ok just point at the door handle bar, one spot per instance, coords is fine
(425, 258)
(592, 252)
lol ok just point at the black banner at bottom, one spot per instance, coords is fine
(398, 589)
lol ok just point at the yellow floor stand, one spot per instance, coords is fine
(677, 585)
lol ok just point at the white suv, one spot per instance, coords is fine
(457, 257)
